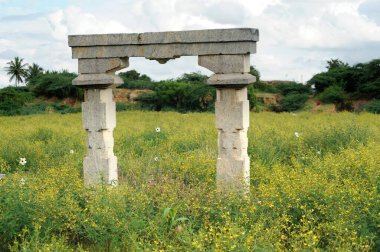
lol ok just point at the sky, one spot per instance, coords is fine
(297, 37)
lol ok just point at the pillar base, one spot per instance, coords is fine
(98, 170)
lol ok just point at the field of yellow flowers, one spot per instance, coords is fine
(315, 185)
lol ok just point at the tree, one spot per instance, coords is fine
(255, 72)
(335, 63)
(17, 70)
(33, 71)
(194, 77)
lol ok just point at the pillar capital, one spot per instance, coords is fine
(232, 80)
(99, 73)
(223, 64)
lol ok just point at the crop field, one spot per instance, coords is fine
(315, 185)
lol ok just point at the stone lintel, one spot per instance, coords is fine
(97, 80)
(225, 63)
(231, 80)
(171, 37)
(163, 51)
(93, 66)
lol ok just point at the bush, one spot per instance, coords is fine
(264, 87)
(333, 94)
(373, 107)
(179, 96)
(56, 84)
(293, 102)
(134, 80)
(12, 99)
(293, 87)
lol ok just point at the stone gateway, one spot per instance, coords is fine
(226, 52)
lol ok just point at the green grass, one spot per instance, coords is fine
(318, 191)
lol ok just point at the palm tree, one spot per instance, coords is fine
(33, 71)
(17, 70)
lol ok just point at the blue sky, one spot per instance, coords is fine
(296, 37)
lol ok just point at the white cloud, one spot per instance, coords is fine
(296, 37)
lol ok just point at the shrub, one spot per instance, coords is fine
(293, 87)
(333, 94)
(264, 87)
(134, 80)
(373, 107)
(12, 99)
(293, 102)
(179, 96)
(56, 84)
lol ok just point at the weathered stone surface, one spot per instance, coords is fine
(99, 120)
(98, 110)
(233, 174)
(98, 169)
(93, 66)
(232, 109)
(234, 79)
(232, 122)
(163, 51)
(225, 63)
(195, 36)
(97, 79)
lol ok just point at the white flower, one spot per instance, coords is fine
(319, 152)
(71, 151)
(22, 181)
(156, 159)
(158, 130)
(22, 161)
(293, 114)
(297, 134)
(2, 175)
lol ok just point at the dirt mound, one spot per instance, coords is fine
(128, 95)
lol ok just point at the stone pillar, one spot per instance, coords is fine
(231, 79)
(97, 77)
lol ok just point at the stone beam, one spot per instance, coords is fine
(165, 45)
(163, 50)
(173, 37)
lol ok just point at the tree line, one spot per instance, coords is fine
(340, 84)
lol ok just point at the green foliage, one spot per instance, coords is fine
(255, 72)
(179, 96)
(333, 94)
(17, 70)
(293, 87)
(293, 101)
(34, 71)
(359, 81)
(264, 87)
(55, 84)
(315, 192)
(321, 81)
(134, 80)
(12, 100)
(371, 89)
(335, 63)
(252, 97)
(373, 107)
(195, 78)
